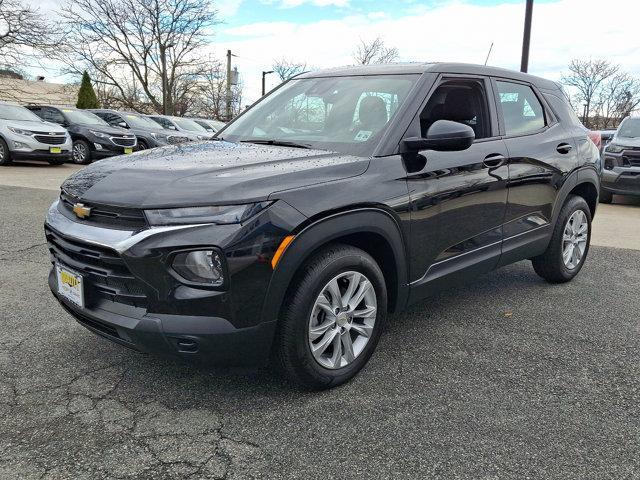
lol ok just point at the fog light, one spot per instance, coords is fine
(20, 145)
(98, 146)
(200, 266)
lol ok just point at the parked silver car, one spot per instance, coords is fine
(186, 126)
(25, 136)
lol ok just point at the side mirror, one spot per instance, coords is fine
(442, 136)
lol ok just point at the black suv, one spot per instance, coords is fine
(621, 163)
(93, 138)
(148, 132)
(342, 196)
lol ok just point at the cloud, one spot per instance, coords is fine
(297, 3)
(452, 31)
(227, 8)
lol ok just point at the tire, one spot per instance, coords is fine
(293, 343)
(56, 161)
(551, 265)
(606, 197)
(81, 152)
(142, 146)
(5, 154)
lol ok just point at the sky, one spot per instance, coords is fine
(325, 33)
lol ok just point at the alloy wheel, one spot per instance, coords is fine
(79, 153)
(574, 239)
(342, 320)
(2, 153)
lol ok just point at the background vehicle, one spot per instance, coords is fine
(25, 136)
(341, 196)
(606, 136)
(621, 166)
(148, 132)
(211, 126)
(183, 125)
(93, 138)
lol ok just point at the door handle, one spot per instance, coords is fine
(494, 160)
(564, 148)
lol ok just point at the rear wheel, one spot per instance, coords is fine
(569, 243)
(5, 154)
(606, 197)
(81, 153)
(332, 319)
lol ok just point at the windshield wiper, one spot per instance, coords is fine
(279, 143)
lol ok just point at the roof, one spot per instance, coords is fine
(419, 68)
(29, 92)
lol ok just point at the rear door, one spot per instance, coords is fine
(541, 154)
(458, 199)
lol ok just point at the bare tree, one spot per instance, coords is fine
(374, 51)
(22, 30)
(210, 96)
(156, 42)
(587, 77)
(618, 97)
(286, 69)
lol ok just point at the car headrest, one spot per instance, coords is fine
(372, 113)
(458, 106)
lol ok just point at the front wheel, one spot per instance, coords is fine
(81, 153)
(332, 318)
(569, 243)
(5, 154)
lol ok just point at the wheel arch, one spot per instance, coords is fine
(371, 229)
(584, 183)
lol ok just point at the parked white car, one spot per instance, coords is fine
(184, 125)
(25, 136)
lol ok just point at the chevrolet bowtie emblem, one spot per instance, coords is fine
(81, 211)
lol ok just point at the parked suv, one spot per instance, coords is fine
(185, 126)
(148, 132)
(341, 196)
(211, 126)
(92, 137)
(25, 136)
(621, 166)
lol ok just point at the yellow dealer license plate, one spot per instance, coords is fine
(128, 150)
(70, 285)
(55, 150)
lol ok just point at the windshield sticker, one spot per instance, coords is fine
(363, 135)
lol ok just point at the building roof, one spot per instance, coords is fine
(418, 68)
(30, 92)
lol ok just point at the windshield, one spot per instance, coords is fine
(138, 121)
(84, 118)
(343, 114)
(187, 124)
(14, 112)
(630, 128)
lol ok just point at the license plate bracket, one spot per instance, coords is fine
(70, 285)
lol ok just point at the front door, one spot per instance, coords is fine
(458, 199)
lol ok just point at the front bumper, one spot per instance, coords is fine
(621, 180)
(25, 147)
(132, 298)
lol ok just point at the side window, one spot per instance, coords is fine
(521, 110)
(53, 115)
(463, 101)
(38, 111)
(165, 123)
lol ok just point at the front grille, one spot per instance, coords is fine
(104, 273)
(174, 139)
(123, 142)
(631, 161)
(117, 217)
(50, 139)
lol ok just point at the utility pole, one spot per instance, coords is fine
(163, 61)
(229, 114)
(526, 38)
(264, 85)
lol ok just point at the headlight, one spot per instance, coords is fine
(201, 137)
(159, 136)
(99, 134)
(221, 215)
(200, 266)
(614, 148)
(20, 131)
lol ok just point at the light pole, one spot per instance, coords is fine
(526, 38)
(264, 76)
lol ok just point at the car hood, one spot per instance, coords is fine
(106, 129)
(207, 173)
(35, 126)
(626, 141)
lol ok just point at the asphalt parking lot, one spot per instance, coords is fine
(508, 377)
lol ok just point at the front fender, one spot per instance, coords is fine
(326, 230)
